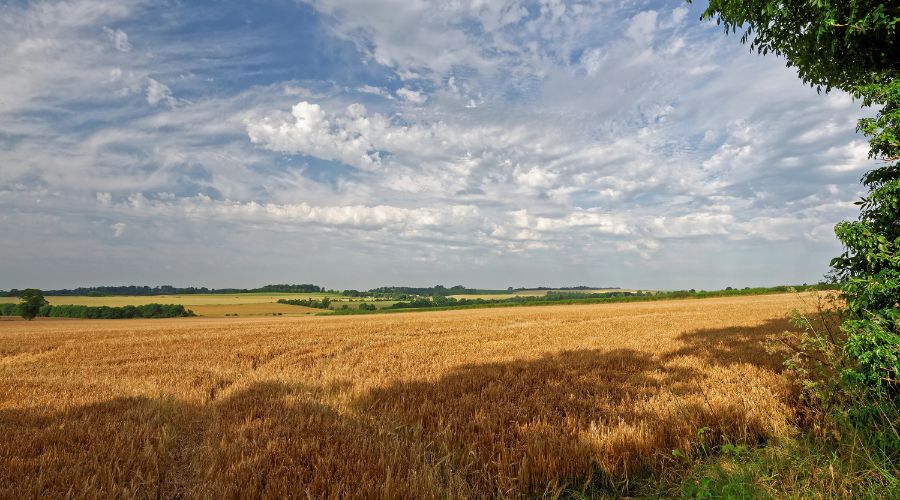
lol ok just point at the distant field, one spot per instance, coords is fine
(185, 300)
(502, 402)
(218, 305)
(241, 299)
(241, 304)
(354, 303)
(529, 293)
(257, 309)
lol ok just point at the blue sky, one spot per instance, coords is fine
(357, 143)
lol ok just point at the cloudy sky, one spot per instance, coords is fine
(359, 143)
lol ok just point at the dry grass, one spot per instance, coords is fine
(489, 402)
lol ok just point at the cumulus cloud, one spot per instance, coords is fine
(309, 130)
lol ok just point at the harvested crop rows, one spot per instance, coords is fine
(489, 402)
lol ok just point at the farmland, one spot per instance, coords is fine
(469, 403)
(257, 304)
(279, 303)
(185, 300)
(529, 293)
(214, 305)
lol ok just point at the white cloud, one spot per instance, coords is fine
(158, 92)
(309, 130)
(593, 221)
(851, 157)
(412, 96)
(356, 216)
(695, 224)
(592, 60)
(118, 229)
(119, 39)
(370, 89)
(645, 248)
(642, 27)
(535, 178)
(678, 14)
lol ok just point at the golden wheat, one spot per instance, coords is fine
(480, 403)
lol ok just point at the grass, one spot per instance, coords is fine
(505, 402)
(796, 466)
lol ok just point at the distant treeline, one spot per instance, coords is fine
(100, 291)
(554, 297)
(580, 287)
(437, 290)
(440, 290)
(551, 296)
(103, 312)
(324, 303)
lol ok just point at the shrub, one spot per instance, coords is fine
(9, 310)
(124, 312)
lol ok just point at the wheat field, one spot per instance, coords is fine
(508, 402)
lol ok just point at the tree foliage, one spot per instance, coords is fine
(30, 302)
(323, 303)
(851, 45)
(101, 312)
(842, 44)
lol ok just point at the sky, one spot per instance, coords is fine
(362, 143)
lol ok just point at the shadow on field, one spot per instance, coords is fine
(585, 415)
(483, 430)
(116, 448)
(733, 345)
(268, 440)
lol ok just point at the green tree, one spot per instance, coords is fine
(851, 45)
(31, 300)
